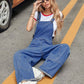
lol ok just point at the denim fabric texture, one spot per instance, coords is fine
(41, 47)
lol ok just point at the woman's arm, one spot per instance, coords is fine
(32, 21)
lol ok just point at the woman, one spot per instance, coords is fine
(41, 47)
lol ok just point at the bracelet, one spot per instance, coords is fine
(32, 16)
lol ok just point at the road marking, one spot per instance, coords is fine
(68, 8)
(12, 79)
(69, 37)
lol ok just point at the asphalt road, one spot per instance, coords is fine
(17, 37)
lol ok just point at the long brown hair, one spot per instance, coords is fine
(56, 15)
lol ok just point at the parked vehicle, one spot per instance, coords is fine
(6, 7)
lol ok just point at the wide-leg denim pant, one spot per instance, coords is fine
(54, 56)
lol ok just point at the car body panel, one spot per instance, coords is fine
(16, 2)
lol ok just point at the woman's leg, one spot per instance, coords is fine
(23, 61)
(55, 59)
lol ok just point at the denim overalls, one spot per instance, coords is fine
(41, 47)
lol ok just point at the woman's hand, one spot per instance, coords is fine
(36, 4)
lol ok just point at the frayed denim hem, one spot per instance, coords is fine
(34, 79)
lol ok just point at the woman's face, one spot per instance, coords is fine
(46, 4)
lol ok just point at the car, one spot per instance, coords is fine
(6, 7)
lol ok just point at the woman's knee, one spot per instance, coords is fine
(16, 54)
(66, 46)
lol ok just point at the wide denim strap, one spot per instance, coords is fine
(39, 15)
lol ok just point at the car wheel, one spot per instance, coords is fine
(5, 14)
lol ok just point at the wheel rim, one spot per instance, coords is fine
(4, 12)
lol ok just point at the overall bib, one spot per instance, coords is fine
(41, 47)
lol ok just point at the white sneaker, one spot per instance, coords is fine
(29, 82)
(38, 74)
(19, 82)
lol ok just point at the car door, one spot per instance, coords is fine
(16, 2)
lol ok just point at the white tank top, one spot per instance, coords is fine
(48, 18)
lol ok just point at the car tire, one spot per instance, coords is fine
(5, 14)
